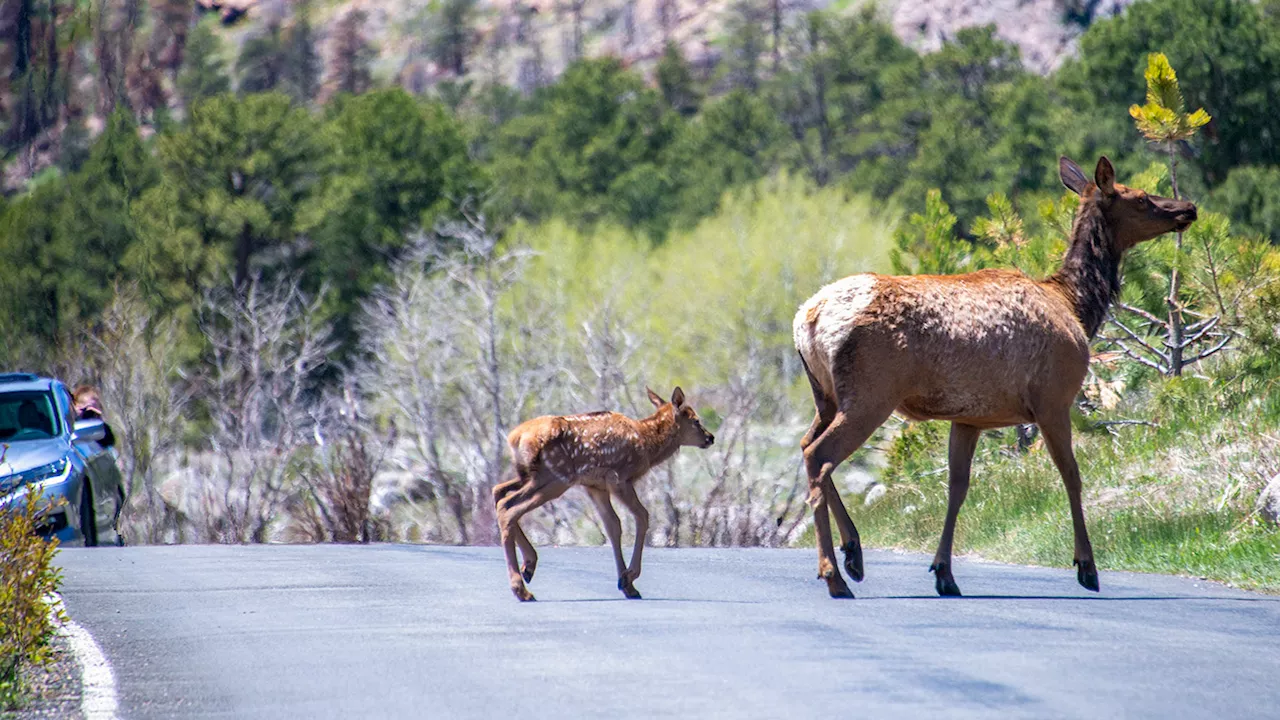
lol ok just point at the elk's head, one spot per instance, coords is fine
(1133, 215)
(688, 426)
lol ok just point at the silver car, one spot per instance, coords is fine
(71, 463)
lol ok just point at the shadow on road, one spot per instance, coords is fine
(1082, 598)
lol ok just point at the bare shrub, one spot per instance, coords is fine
(265, 348)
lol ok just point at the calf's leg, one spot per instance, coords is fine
(613, 528)
(510, 509)
(627, 496)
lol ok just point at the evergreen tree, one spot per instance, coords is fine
(261, 65)
(675, 80)
(352, 55)
(454, 29)
(235, 176)
(302, 66)
(203, 74)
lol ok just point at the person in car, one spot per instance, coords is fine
(88, 406)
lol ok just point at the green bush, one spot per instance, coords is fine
(27, 577)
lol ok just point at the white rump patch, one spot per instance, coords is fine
(824, 321)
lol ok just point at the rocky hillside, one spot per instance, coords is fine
(523, 42)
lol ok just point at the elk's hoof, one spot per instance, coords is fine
(943, 581)
(841, 592)
(523, 595)
(853, 559)
(1087, 575)
(836, 586)
(629, 590)
(527, 572)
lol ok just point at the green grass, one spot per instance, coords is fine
(1173, 499)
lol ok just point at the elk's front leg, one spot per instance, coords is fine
(964, 440)
(626, 492)
(1057, 437)
(613, 528)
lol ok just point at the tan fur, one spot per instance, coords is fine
(983, 350)
(605, 453)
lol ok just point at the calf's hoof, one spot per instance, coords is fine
(527, 572)
(943, 581)
(1087, 574)
(522, 594)
(853, 559)
(628, 589)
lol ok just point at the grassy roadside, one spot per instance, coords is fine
(1176, 498)
(27, 578)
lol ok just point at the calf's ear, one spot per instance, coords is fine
(677, 398)
(654, 398)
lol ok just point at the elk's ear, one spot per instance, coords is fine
(1105, 176)
(1071, 174)
(677, 398)
(654, 398)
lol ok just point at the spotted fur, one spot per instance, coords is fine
(605, 453)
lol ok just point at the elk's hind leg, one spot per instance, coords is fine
(511, 508)
(527, 551)
(848, 431)
(964, 440)
(825, 412)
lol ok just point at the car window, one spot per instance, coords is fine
(27, 415)
(64, 406)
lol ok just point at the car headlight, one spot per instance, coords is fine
(55, 469)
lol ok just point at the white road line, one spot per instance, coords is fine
(98, 684)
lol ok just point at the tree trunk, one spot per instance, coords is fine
(1176, 326)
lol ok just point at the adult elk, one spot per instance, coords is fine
(983, 350)
(604, 452)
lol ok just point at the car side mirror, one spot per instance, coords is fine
(91, 430)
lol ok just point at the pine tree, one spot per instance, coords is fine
(675, 80)
(302, 65)
(262, 61)
(454, 27)
(203, 74)
(352, 55)
(1163, 120)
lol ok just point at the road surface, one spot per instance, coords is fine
(433, 632)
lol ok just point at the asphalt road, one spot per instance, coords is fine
(433, 632)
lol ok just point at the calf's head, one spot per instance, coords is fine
(688, 425)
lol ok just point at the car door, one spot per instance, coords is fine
(103, 472)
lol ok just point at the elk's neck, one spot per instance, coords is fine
(1090, 273)
(659, 436)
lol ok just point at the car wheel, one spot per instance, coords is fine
(88, 524)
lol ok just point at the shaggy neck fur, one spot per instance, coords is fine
(660, 435)
(1090, 273)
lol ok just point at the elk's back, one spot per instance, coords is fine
(950, 346)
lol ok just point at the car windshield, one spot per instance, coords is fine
(26, 416)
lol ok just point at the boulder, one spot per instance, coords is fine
(1269, 502)
(875, 494)
(859, 481)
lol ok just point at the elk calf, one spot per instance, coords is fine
(604, 452)
(983, 350)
